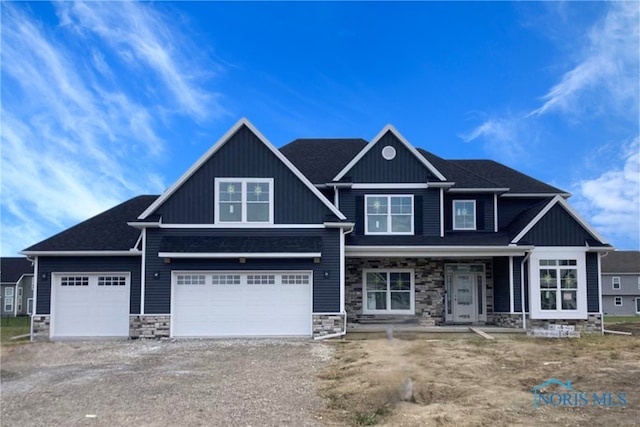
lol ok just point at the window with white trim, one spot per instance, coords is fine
(225, 279)
(388, 214)
(30, 306)
(74, 281)
(638, 305)
(295, 279)
(261, 279)
(112, 280)
(244, 200)
(617, 301)
(19, 299)
(8, 299)
(615, 282)
(464, 214)
(388, 292)
(558, 284)
(190, 279)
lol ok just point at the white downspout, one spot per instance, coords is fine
(600, 256)
(524, 316)
(35, 295)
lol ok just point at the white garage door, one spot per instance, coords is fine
(215, 304)
(90, 305)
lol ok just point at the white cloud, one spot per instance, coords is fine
(506, 138)
(613, 198)
(77, 137)
(606, 77)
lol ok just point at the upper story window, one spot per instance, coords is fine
(615, 282)
(389, 214)
(464, 214)
(244, 200)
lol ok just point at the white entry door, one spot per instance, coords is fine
(90, 305)
(464, 298)
(218, 304)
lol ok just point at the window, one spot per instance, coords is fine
(388, 292)
(386, 214)
(190, 279)
(74, 281)
(558, 284)
(615, 282)
(264, 279)
(617, 301)
(8, 299)
(244, 200)
(638, 305)
(225, 279)
(30, 306)
(295, 279)
(19, 300)
(112, 281)
(464, 214)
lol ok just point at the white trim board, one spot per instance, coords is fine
(219, 144)
(239, 254)
(567, 207)
(83, 253)
(369, 146)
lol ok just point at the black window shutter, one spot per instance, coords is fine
(359, 230)
(480, 215)
(417, 216)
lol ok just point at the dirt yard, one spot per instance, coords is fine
(469, 381)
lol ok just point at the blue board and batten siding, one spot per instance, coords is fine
(501, 285)
(243, 156)
(404, 168)
(557, 228)
(326, 290)
(593, 278)
(98, 264)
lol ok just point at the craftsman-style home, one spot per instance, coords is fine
(299, 241)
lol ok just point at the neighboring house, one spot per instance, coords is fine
(621, 283)
(256, 241)
(16, 287)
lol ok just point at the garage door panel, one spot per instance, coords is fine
(91, 305)
(241, 304)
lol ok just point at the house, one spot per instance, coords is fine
(16, 287)
(256, 241)
(621, 283)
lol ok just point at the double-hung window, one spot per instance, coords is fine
(389, 214)
(558, 284)
(615, 282)
(244, 200)
(8, 299)
(388, 292)
(464, 214)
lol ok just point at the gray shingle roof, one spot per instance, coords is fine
(107, 231)
(621, 262)
(13, 268)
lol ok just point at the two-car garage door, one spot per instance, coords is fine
(213, 304)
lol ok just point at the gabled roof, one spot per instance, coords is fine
(383, 132)
(525, 218)
(321, 159)
(107, 231)
(219, 144)
(558, 199)
(504, 176)
(621, 262)
(462, 177)
(13, 268)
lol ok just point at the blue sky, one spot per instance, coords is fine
(105, 101)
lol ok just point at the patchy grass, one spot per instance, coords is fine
(469, 381)
(13, 326)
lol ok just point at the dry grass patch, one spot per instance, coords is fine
(471, 381)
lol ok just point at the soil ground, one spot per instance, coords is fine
(465, 380)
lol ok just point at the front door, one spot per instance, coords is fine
(464, 298)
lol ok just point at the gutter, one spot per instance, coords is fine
(524, 316)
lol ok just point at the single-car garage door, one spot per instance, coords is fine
(215, 304)
(90, 305)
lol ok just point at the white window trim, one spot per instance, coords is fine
(243, 182)
(389, 232)
(614, 283)
(577, 254)
(615, 301)
(453, 224)
(412, 293)
(29, 303)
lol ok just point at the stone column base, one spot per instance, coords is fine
(40, 327)
(149, 326)
(328, 324)
(512, 320)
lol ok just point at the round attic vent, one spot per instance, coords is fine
(389, 153)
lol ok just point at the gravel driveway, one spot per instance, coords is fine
(162, 383)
